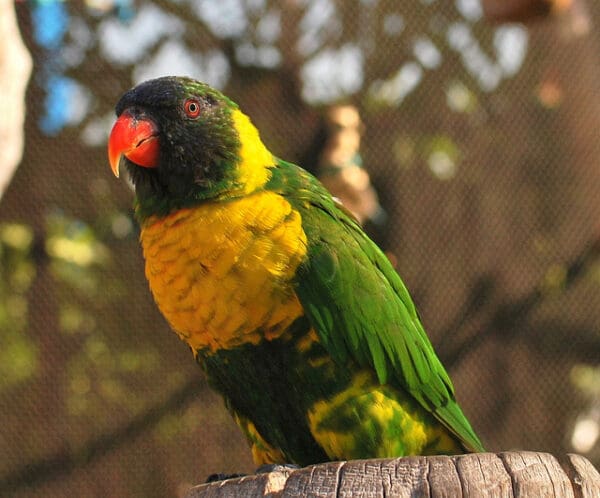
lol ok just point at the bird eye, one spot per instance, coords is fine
(192, 108)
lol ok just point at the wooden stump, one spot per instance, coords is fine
(522, 474)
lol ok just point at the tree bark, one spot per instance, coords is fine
(15, 69)
(521, 474)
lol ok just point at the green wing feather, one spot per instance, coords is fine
(360, 307)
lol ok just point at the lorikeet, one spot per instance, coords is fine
(295, 315)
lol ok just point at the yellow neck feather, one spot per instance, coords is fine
(256, 160)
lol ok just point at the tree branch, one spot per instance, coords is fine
(52, 467)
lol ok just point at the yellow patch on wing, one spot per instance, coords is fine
(306, 341)
(262, 452)
(220, 272)
(369, 418)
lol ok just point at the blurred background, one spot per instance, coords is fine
(464, 134)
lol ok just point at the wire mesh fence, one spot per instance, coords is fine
(469, 147)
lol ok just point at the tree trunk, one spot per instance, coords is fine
(479, 475)
(15, 68)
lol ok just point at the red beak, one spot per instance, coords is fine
(135, 138)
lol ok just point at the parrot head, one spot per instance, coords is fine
(180, 141)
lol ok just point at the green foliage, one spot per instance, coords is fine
(586, 379)
(442, 155)
(460, 98)
(18, 354)
(75, 252)
(101, 377)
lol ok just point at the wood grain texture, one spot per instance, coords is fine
(583, 476)
(536, 475)
(443, 478)
(483, 474)
(522, 474)
(269, 484)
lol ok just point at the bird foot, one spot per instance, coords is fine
(222, 477)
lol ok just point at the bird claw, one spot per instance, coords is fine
(222, 477)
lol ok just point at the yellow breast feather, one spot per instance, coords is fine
(220, 272)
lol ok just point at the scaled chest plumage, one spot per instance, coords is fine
(221, 272)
